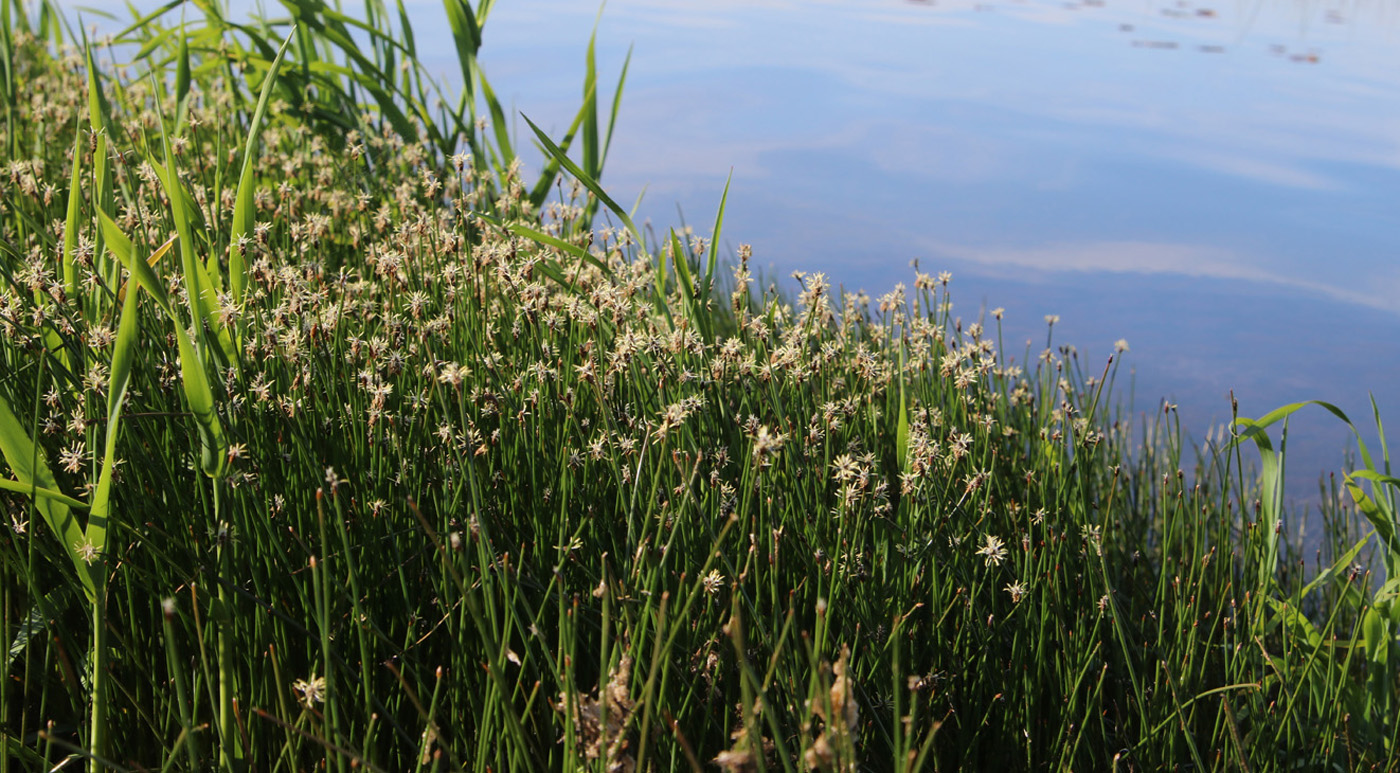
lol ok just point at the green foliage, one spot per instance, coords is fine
(406, 464)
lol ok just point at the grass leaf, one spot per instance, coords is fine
(557, 154)
(27, 463)
(559, 244)
(243, 208)
(117, 381)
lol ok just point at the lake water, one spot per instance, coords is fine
(1216, 183)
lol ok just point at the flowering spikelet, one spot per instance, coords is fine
(992, 550)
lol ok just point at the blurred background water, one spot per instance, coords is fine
(1215, 182)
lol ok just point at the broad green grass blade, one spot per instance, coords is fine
(557, 154)
(660, 281)
(559, 244)
(201, 280)
(466, 36)
(7, 77)
(213, 445)
(100, 518)
(1271, 500)
(682, 264)
(117, 382)
(140, 270)
(505, 153)
(1377, 633)
(1376, 477)
(1272, 471)
(712, 260)
(545, 183)
(1335, 570)
(694, 312)
(144, 22)
(99, 123)
(73, 223)
(595, 157)
(1377, 511)
(15, 748)
(182, 81)
(329, 26)
(243, 210)
(616, 105)
(154, 43)
(28, 465)
(187, 202)
(57, 496)
(591, 161)
(1385, 450)
(1254, 426)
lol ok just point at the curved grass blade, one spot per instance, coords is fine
(140, 270)
(687, 284)
(551, 168)
(505, 153)
(587, 116)
(57, 496)
(1378, 512)
(144, 22)
(72, 224)
(213, 446)
(28, 465)
(561, 245)
(99, 123)
(557, 154)
(202, 282)
(243, 211)
(1272, 472)
(1255, 426)
(182, 79)
(616, 104)
(466, 37)
(1335, 570)
(1271, 484)
(100, 514)
(712, 260)
(117, 382)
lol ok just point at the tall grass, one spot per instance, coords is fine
(329, 439)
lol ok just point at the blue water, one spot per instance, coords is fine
(1215, 183)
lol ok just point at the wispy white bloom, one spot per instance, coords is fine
(1017, 590)
(992, 550)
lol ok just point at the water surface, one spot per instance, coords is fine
(1214, 182)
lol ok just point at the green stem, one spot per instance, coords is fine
(97, 741)
(230, 751)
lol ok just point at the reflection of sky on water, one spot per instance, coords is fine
(987, 131)
(1214, 182)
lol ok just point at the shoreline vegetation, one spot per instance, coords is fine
(331, 440)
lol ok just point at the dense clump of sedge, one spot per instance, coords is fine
(428, 460)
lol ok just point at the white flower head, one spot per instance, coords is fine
(1017, 590)
(992, 550)
(713, 582)
(312, 690)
